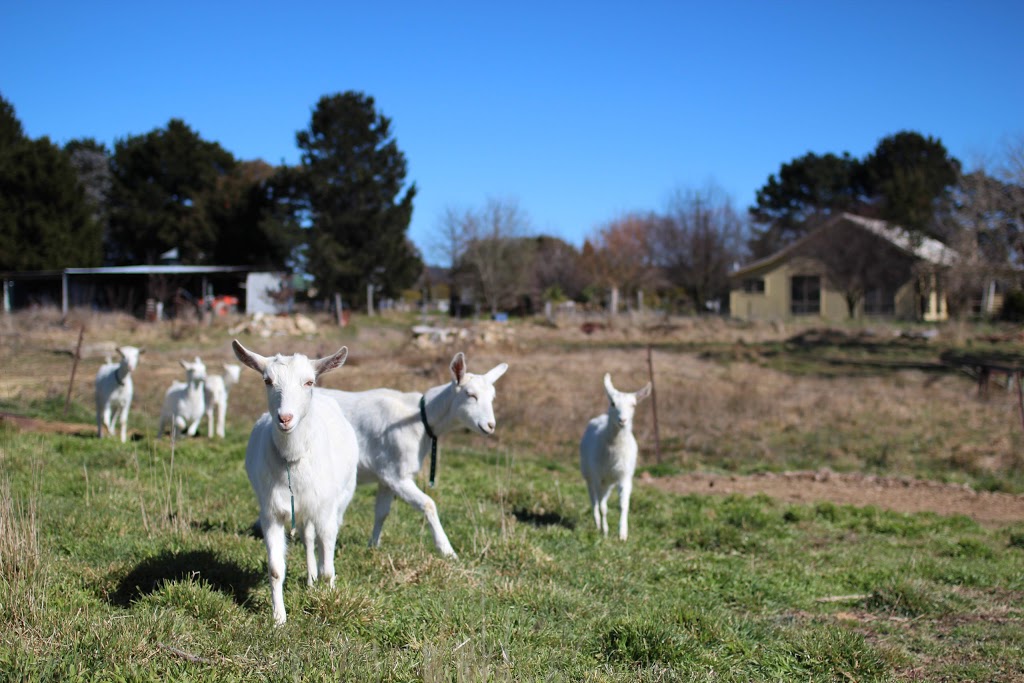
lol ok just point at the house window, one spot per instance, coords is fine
(805, 296)
(880, 301)
(754, 285)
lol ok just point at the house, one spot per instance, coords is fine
(849, 266)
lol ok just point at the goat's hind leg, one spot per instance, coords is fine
(381, 509)
(407, 490)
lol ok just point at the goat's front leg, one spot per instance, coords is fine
(194, 427)
(604, 508)
(309, 540)
(273, 537)
(123, 419)
(625, 489)
(407, 490)
(595, 502)
(326, 539)
(209, 423)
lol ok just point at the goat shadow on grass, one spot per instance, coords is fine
(150, 575)
(539, 519)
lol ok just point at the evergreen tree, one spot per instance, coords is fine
(163, 183)
(45, 220)
(352, 182)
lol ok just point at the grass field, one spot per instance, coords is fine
(136, 562)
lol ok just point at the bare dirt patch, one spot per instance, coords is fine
(889, 493)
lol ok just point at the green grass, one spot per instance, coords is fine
(145, 568)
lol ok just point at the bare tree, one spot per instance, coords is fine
(698, 241)
(488, 250)
(985, 221)
(620, 255)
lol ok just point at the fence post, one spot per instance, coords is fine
(74, 368)
(654, 405)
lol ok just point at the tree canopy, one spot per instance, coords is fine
(45, 220)
(163, 183)
(351, 188)
(903, 181)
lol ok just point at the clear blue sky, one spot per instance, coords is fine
(578, 111)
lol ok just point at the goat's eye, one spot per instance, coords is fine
(269, 382)
(309, 383)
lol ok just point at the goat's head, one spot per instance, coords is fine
(621, 404)
(195, 372)
(474, 395)
(130, 355)
(290, 381)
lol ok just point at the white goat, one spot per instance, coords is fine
(184, 402)
(395, 428)
(301, 461)
(114, 390)
(218, 387)
(608, 455)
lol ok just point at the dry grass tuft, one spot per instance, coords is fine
(19, 536)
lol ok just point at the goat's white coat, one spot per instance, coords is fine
(608, 453)
(393, 441)
(114, 391)
(184, 402)
(302, 447)
(218, 388)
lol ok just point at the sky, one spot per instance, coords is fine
(577, 112)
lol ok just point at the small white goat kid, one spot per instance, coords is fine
(184, 402)
(608, 455)
(395, 432)
(301, 461)
(218, 387)
(114, 390)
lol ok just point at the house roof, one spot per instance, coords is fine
(924, 248)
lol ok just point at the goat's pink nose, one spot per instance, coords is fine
(286, 418)
(490, 426)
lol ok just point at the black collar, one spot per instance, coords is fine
(433, 439)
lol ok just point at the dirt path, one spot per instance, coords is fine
(889, 493)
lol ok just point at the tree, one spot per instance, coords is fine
(621, 254)
(352, 186)
(904, 181)
(908, 175)
(806, 190)
(91, 161)
(496, 258)
(698, 242)
(45, 221)
(556, 269)
(254, 215)
(163, 182)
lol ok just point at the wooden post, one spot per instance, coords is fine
(1020, 395)
(337, 309)
(74, 368)
(654, 406)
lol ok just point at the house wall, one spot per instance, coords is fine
(774, 303)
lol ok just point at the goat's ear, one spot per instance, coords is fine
(496, 372)
(184, 364)
(322, 365)
(249, 358)
(458, 367)
(608, 384)
(644, 392)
